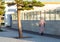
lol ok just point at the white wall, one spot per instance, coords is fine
(47, 7)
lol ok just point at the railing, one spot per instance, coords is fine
(35, 15)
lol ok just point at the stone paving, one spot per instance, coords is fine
(9, 36)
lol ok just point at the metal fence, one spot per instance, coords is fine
(35, 15)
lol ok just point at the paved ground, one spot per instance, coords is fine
(9, 36)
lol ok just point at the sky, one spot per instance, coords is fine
(42, 0)
(49, 0)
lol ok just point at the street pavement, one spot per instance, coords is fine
(9, 35)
